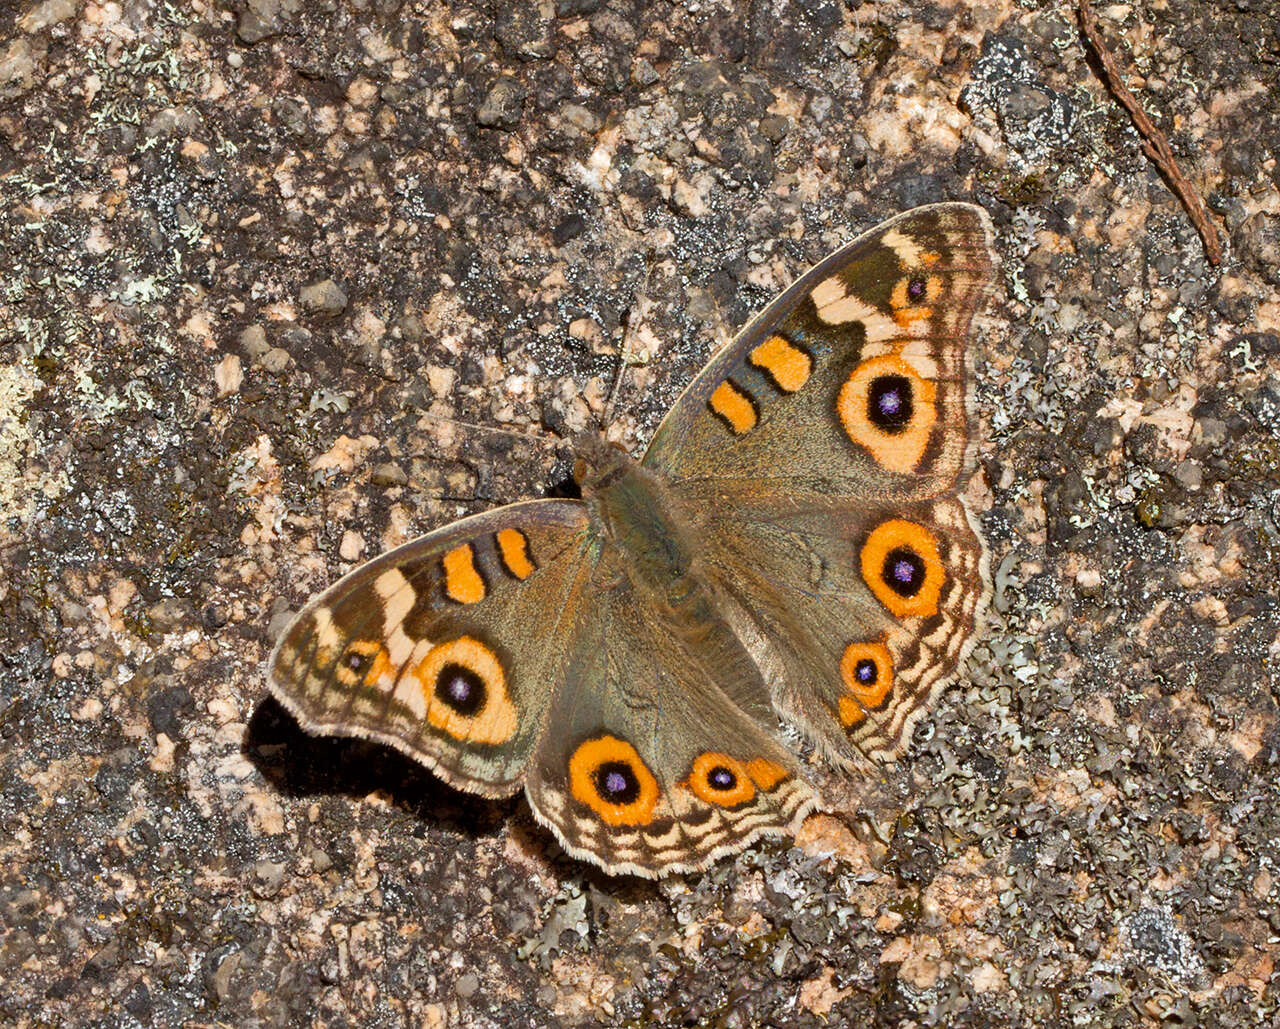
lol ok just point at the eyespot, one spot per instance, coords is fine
(465, 689)
(889, 410)
(363, 662)
(912, 298)
(866, 670)
(902, 567)
(608, 776)
(721, 780)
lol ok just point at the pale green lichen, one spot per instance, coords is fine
(18, 489)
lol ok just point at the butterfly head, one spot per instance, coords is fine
(598, 464)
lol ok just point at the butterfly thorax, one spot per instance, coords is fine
(638, 519)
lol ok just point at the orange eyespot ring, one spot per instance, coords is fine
(889, 410)
(608, 776)
(363, 663)
(465, 689)
(911, 294)
(867, 672)
(721, 780)
(902, 567)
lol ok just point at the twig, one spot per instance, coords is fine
(1153, 140)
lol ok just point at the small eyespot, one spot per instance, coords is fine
(361, 663)
(867, 672)
(721, 780)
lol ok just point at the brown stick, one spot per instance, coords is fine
(1153, 140)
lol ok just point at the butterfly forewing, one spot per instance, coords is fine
(855, 380)
(447, 648)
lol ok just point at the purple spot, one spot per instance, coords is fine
(865, 671)
(889, 403)
(915, 289)
(614, 782)
(721, 778)
(461, 689)
(903, 571)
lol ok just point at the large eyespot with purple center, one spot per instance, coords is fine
(465, 689)
(889, 410)
(721, 780)
(608, 776)
(902, 567)
(866, 669)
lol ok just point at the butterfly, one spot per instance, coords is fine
(791, 547)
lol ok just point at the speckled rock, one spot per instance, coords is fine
(199, 427)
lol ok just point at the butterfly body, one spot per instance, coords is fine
(791, 546)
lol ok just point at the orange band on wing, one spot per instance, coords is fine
(513, 545)
(734, 406)
(788, 366)
(462, 581)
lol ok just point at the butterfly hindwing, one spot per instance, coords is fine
(862, 614)
(653, 761)
(446, 648)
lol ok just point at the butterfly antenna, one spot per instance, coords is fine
(530, 435)
(629, 320)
